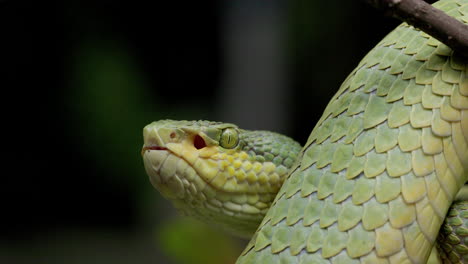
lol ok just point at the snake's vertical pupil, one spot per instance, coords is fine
(229, 138)
(199, 142)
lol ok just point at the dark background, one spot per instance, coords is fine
(82, 78)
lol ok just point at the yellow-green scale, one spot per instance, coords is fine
(383, 164)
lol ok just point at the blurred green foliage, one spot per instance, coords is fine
(188, 241)
(112, 105)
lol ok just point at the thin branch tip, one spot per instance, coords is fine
(429, 19)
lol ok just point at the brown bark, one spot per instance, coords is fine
(433, 21)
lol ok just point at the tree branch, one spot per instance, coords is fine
(433, 21)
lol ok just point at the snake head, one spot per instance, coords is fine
(217, 172)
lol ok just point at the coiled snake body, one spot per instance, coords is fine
(373, 183)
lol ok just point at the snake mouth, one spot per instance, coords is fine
(151, 147)
(154, 148)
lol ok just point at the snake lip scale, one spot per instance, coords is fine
(150, 148)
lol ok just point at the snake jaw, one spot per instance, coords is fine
(164, 171)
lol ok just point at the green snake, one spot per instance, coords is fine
(376, 182)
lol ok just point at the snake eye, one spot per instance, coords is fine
(229, 138)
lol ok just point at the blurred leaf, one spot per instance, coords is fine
(188, 241)
(111, 106)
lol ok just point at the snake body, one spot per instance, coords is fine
(377, 176)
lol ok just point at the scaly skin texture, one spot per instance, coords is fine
(453, 236)
(216, 172)
(382, 166)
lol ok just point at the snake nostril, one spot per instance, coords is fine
(199, 142)
(172, 135)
